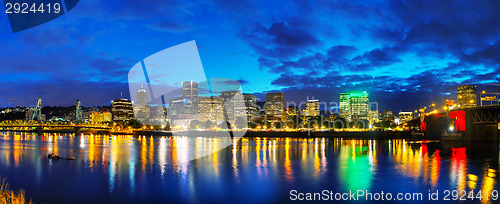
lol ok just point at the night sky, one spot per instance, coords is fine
(403, 53)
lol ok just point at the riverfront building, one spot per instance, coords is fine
(210, 108)
(275, 104)
(354, 106)
(250, 109)
(232, 99)
(311, 108)
(142, 109)
(190, 90)
(186, 105)
(405, 117)
(344, 106)
(466, 96)
(98, 117)
(122, 110)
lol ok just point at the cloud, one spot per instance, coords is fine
(171, 26)
(280, 40)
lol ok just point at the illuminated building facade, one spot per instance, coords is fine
(466, 96)
(359, 106)
(182, 107)
(250, 107)
(186, 105)
(122, 110)
(142, 109)
(344, 106)
(97, 117)
(275, 104)
(158, 113)
(354, 106)
(210, 108)
(190, 90)
(142, 96)
(312, 108)
(373, 117)
(388, 116)
(231, 98)
(450, 104)
(293, 111)
(405, 117)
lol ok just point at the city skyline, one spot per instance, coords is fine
(475, 96)
(407, 59)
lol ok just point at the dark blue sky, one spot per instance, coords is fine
(403, 53)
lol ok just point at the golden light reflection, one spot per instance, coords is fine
(92, 154)
(290, 158)
(435, 167)
(458, 172)
(144, 149)
(488, 185)
(413, 160)
(235, 158)
(288, 163)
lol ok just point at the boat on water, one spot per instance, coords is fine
(451, 136)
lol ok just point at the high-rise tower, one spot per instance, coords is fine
(37, 114)
(78, 113)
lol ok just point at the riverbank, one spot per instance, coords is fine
(299, 134)
(277, 134)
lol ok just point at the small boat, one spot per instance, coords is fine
(451, 136)
(55, 157)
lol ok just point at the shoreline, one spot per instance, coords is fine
(270, 134)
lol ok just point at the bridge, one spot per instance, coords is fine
(477, 123)
(45, 127)
(485, 114)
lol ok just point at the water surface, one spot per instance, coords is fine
(126, 169)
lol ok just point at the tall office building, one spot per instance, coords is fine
(122, 110)
(312, 108)
(142, 109)
(182, 108)
(275, 104)
(190, 90)
(389, 116)
(186, 105)
(466, 96)
(388, 113)
(354, 106)
(373, 117)
(98, 117)
(210, 108)
(142, 96)
(344, 106)
(250, 109)
(230, 99)
(405, 117)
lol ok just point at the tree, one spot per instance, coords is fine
(195, 124)
(134, 123)
(209, 124)
(240, 122)
(340, 123)
(387, 124)
(362, 124)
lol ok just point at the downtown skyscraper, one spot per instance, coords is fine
(466, 96)
(354, 106)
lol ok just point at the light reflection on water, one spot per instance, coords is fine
(148, 169)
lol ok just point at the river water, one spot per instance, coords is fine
(127, 169)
